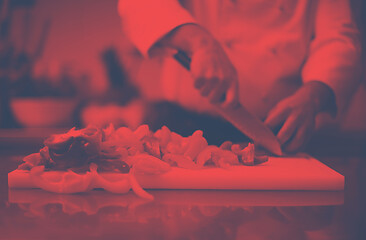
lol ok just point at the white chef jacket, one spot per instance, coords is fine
(275, 45)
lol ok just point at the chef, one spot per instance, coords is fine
(286, 61)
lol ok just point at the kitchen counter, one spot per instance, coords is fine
(188, 214)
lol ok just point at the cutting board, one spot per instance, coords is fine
(285, 173)
(279, 173)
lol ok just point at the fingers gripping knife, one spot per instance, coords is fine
(240, 118)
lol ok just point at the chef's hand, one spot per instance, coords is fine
(295, 116)
(213, 73)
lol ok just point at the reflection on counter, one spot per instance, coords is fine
(173, 215)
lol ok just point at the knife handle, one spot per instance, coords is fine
(183, 59)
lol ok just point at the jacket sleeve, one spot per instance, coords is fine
(335, 54)
(146, 21)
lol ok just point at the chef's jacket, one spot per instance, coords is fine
(275, 45)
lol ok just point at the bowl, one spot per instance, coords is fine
(44, 112)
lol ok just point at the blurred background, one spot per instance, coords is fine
(59, 57)
(67, 63)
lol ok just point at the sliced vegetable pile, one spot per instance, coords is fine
(94, 150)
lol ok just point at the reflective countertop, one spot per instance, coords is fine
(188, 214)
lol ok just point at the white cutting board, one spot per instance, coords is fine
(285, 173)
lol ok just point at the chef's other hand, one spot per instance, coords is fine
(213, 73)
(295, 116)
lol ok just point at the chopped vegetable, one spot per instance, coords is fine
(142, 131)
(137, 188)
(79, 156)
(205, 156)
(121, 185)
(64, 182)
(226, 145)
(246, 155)
(163, 135)
(224, 158)
(147, 164)
(196, 143)
(151, 146)
(213, 155)
(178, 160)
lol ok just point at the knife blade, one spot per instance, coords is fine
(240, 118)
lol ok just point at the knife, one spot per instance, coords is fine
(240, 118)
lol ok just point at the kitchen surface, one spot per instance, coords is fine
(188, 214)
